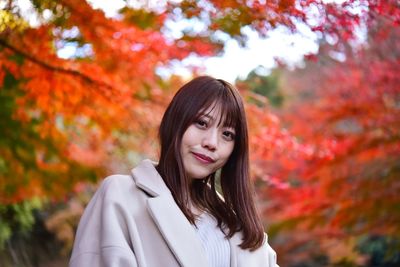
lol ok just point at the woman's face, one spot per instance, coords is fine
(206, 146)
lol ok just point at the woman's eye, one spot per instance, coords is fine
(228, 135)
(201, 123)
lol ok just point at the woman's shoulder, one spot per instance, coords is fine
(117, 180)
(115, 186)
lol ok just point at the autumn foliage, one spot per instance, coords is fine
(74, 107)
(339, 179)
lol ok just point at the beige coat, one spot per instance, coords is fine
(134, 221)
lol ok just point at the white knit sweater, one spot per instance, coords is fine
(215, 244)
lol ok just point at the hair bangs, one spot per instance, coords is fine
(224, 101)
(230, 113)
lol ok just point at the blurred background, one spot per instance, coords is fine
(84, 85)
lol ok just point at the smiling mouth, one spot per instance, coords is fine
(203, 158)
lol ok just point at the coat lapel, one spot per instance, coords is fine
(176, 230)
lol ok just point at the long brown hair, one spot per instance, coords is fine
(237, 211)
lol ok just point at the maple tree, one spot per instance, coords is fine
(344, 113)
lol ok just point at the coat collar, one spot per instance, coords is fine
(149, 180)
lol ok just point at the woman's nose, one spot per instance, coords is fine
(210, 139)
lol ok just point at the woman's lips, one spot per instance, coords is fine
(203, 158)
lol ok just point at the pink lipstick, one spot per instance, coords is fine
(203, 158)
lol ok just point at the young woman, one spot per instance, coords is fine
(170, 213)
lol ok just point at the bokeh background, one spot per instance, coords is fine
(83, 91)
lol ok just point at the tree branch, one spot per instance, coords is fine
(48, 66)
